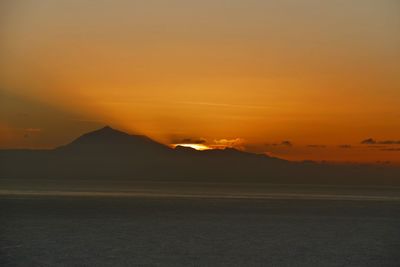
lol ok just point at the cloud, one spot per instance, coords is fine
(193, 141)
(368, 141)
(371, 141)
(233, 143)
(283, 143)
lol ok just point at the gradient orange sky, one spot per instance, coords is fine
(323, 75)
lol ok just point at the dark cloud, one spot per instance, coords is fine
(345, 146)
(371, 141)
(191, 141)
(283, 143)
(368, 141)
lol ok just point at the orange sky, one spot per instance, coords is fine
(250, 74)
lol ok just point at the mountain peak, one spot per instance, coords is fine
(106, 128)
(109, 138)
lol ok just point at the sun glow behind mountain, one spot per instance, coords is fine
(194, 146)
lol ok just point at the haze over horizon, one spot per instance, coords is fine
(298, 80)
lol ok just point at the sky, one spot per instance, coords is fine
(296, 79)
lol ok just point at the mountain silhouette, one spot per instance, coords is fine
(110, 154)
(109, 140)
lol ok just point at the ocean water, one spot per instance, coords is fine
(51, 230)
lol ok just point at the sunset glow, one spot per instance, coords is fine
(262, 76)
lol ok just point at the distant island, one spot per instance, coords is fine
(109, 154)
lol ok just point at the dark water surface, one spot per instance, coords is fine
(150, 231)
